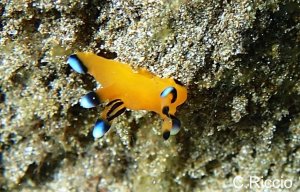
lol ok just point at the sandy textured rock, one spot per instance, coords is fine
(239, 60)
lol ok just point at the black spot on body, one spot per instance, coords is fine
(166, 135)
(178, 82)
(165, 110)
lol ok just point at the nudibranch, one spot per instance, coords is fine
(124, 88)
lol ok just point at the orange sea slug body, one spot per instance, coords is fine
(124, 88)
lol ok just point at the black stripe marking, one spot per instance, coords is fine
(112, 102)
(116, 114)
(111, 110)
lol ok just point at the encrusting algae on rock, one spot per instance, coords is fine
(240, 60)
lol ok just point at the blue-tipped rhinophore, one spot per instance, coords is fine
(90, 100)
(166, 91)
(175, 125)
(76, 64)
(101, 127)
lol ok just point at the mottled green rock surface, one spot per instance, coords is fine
(239, 59)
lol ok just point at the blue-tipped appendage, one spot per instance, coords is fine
(175, 125)
(76, 64)
(90, 100)
(166, 91)
(101, 127)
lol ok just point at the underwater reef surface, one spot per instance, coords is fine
(240, 61)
